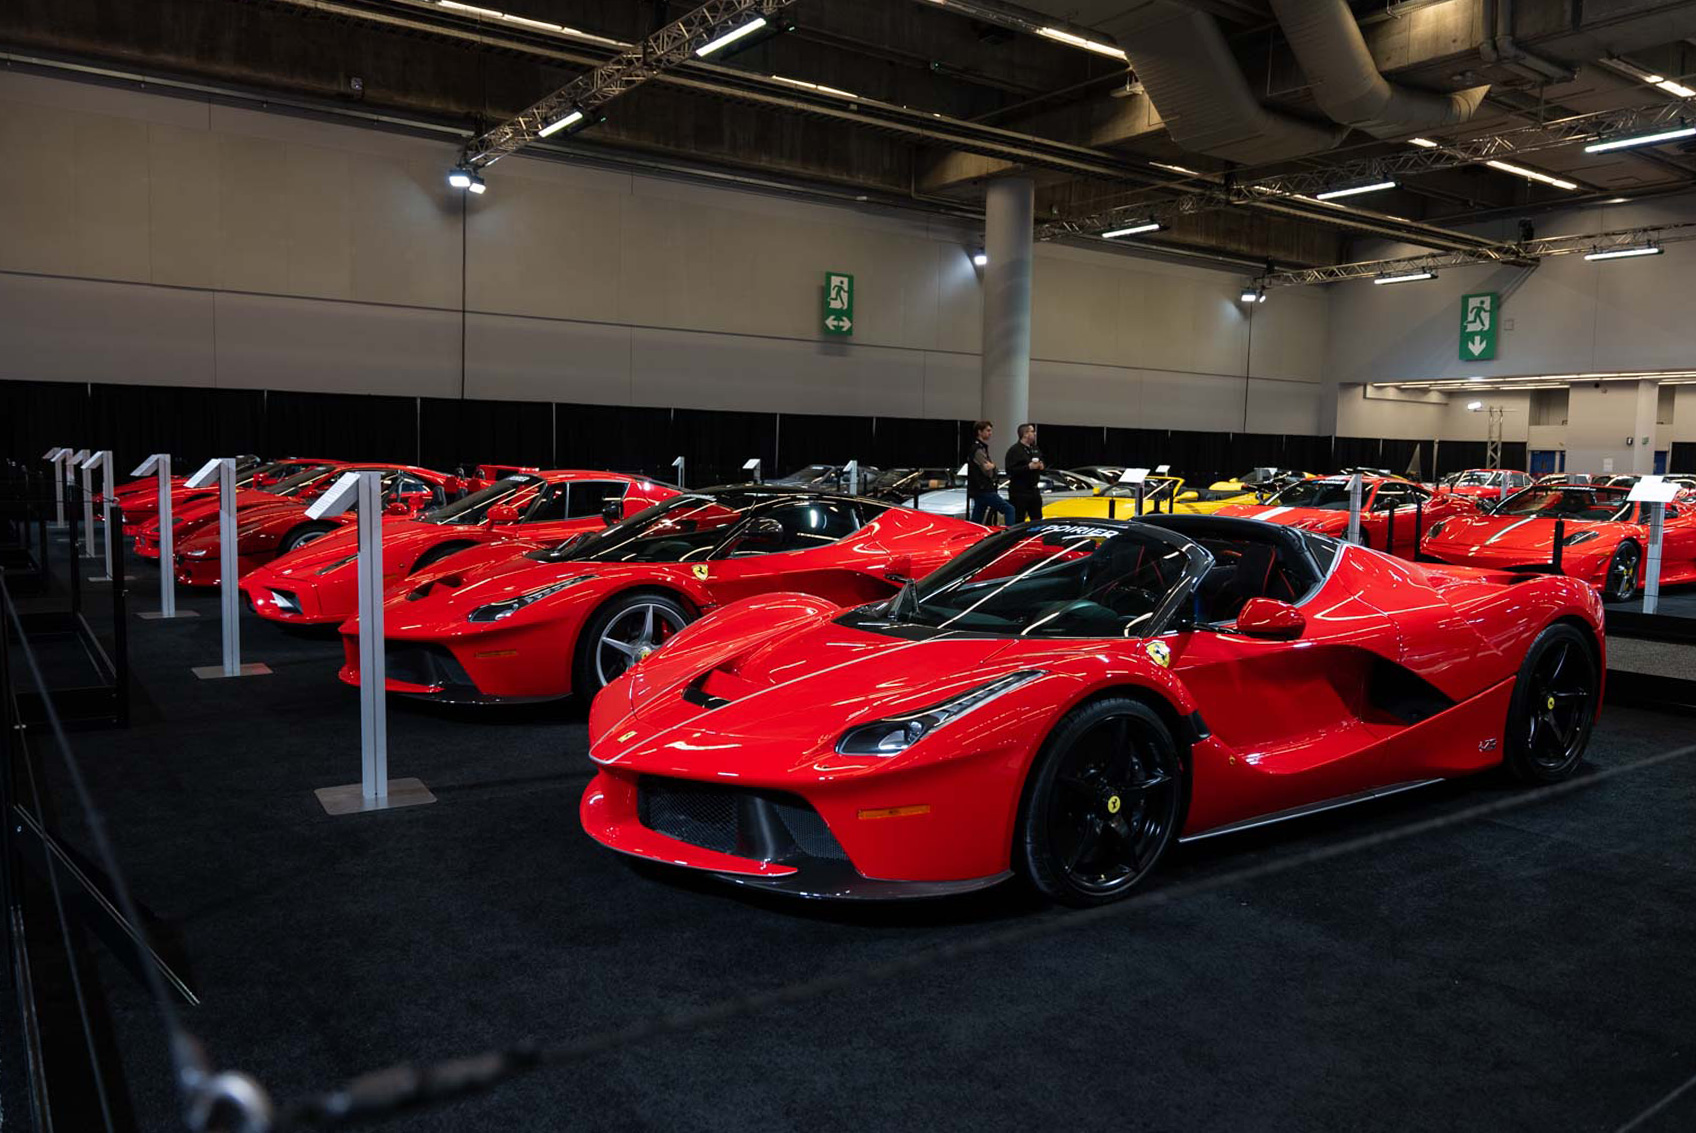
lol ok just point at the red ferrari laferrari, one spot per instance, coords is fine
(490, 626)
(319, 583)
(1389, 507)
(1490, 485)
(1065, 699)
(274, 522)
(190, 507)
(1604, 536)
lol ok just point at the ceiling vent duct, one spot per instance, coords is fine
(1187, 68)
(1347, 83)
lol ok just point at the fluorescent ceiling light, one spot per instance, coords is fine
(731, 36)
(1531, 174)
(1174, 169)
(559, 124)
(1476, 378)
(1079, 41)
(1133, 230)
(1625, 253)
(1406, 277)
(1616, 200)
(1332, 194)
(472, 8)
(820, 87)
(1475, 406)
(1640, 140)
(525, 21)
(1422, 143)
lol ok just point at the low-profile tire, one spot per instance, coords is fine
(1620, 583)
(300, 537)
(1553, 707)
(1103, 801)
(436, 554)
(620, 633)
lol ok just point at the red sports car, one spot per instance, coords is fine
(1489, 485)
(489, 626)
(484, 475)
(1604, 538)
(271, 525)
(319, 583)
(199, 507)
(1323, 506)
(1065, 699)
(138, 500)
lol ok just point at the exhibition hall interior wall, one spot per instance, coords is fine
(165, 247)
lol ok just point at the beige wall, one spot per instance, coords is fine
(163, 240)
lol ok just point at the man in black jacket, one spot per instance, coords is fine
(981, 494)
(1024, 461)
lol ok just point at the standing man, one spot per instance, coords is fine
(981, 494)
(1024, 461)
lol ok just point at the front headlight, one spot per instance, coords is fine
(495, 611)
(1580, 537)
(898, 733)
(338, 564)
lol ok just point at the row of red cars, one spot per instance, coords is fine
(827, 695)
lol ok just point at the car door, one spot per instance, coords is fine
(1678, 542)
(802, 545)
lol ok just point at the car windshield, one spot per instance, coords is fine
(1155, 491)
(683, 528)
(1325, 495)
(300, 480)
(1475, 479)
(1569, 501)
(811, 474)
(515, 491)
(1054, 579)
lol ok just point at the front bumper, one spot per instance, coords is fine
(290, 602)
(205, 571)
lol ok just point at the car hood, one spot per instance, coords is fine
(1308, 518)
(1513, 532)
(446, 594)
(400, 537)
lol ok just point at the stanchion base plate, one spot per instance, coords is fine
(160, 615)
(351, 798)
(103, 578)
(216, 672)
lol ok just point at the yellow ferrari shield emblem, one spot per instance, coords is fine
(626, 735)
(701, 571)
(1159, 654)
(1113, 805)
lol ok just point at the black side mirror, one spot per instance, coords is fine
(613, 511)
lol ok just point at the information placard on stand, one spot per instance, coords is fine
(102, 460)
(1656, 492)
(222, 471)
(160, 462)
(678, 464)
(375, 790)
(79, 461)
(57, 457)
(1355, 492)
(754, 467)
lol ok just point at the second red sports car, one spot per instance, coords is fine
(487, 626)
(1064, 700)
(1391, 510)
(319, 582)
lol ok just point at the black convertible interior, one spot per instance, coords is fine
(1251, 559)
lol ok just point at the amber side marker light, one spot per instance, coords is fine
(895, 811)
(496, 653)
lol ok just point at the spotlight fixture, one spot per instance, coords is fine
(1253, 293)
(1474, 406)
(1354, 190)
(459, 177)
(731, 37)
(1640, 140)
(1406, 277)
(477, 186)
(563, 122)
(980, 258)
(1625, 253)
(1133, 230)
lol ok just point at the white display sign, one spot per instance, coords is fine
(1133, 476)
(1654, 490)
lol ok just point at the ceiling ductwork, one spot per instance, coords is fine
(1348, 85)
(1197, 86)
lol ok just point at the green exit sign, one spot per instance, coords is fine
(838, 303)
(1479, 314)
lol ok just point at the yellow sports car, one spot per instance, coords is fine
(1167, 494)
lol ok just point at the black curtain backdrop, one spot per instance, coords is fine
(1066, 446)
(38, 416)
(914, 442)
(1357, 452)
(812, 438)
(1682, 458)
(455, 434)
(341, 426)
(718, 443)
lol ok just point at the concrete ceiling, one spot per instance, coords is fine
(948, 97)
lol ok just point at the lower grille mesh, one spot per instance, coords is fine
(764, 825)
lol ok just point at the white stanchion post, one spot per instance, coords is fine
(222, 470)
(853, 471)
(754, 467)
(160, 462)
(85, 463)
(678, 464)
(102, 460)
(1655, 492)
(56, 457)
(1354, 508)
(1138, 477)
(375, 790)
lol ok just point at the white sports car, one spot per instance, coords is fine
(1054, 484)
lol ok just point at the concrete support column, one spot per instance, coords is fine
(1643, 452)
(1006, 381)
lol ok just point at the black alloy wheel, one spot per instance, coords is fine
(623, 633)
(1553, 706)
(1621, 584)
(1104, 801)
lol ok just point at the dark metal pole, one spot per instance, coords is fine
(1418, 528)
(76, 573)
(1560, 541)
(1390, 531)
(120, 632)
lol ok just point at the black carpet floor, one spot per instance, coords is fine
(1523, 969)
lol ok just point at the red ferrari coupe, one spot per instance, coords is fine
(1490, 485)
(199, 507)
(1323, 506)
(1604, 538)
(319, 583)
(1065, 699)
(139, 499)
(485, 475)
(489, 626)
(270, 525)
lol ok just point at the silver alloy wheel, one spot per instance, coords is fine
(306, 537)
(631, 636)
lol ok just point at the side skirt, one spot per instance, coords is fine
(1310, 808)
